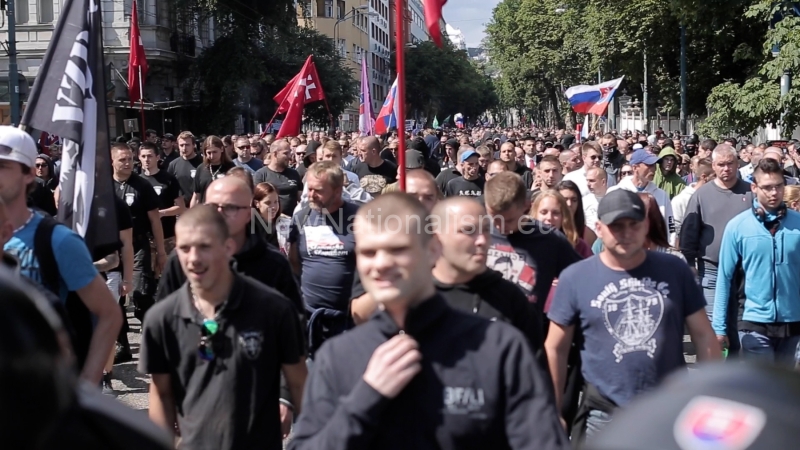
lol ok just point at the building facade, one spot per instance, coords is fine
(348, 23)
(418, 32)
(380, 45)
(171, 39)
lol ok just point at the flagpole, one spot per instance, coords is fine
(141, 101)
(399, 14)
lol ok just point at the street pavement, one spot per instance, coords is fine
(129, 385)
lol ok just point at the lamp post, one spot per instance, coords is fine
(347, 16)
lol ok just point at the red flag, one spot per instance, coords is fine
(137, 62)
(282, 97)
(306, 89)
(433, 14)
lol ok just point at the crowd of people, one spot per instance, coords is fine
(526, 290)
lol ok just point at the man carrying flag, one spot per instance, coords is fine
(65, 101)
(303, 89)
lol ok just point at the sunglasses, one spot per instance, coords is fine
(244, 147)
(626, 173)
(205, 348)
(40, 165)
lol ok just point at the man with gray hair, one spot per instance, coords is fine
(755, 156)
(709, 210)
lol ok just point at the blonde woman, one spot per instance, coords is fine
(551, 208)
(791, 196)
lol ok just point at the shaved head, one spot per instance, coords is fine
(234, 199)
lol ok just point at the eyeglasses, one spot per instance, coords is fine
(228, 210)
(626, 173)
(244, 147)
(772, 188)
(205, 348)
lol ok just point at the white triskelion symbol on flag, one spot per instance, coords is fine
(303, 82)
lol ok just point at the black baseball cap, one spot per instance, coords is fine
(720, 406)
(620, 204)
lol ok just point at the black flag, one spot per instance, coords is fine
(68, 100)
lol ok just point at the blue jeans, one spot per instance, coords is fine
(781, 351)
(708, 281)
(596, 421)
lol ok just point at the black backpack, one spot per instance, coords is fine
(78, 318)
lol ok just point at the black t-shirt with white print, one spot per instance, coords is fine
(374, 179)
(167, 189)
(464, 188)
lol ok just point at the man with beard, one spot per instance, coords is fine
(216, 163)
(185, 167)
(508, 155)
(644, 170)
(666, 177)
(470, 183)
(278, 173)
(322, 252)
(548, 174)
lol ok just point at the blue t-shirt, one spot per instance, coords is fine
(326, 245)
(632, 321)
(75, 265)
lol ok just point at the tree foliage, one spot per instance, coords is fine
(259, 47)
(741, 108)
(540, 45)
(444, 81)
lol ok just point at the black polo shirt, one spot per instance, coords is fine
(185, 171)
(289, 184)
(231, 401)
(140, 197)
(168, 190)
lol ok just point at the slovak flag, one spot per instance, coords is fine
(592, 99)
(387, 116)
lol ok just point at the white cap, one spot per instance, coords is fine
(17, 145)
(637, 146)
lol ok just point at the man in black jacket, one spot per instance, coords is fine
(420, 374)
(462, 278)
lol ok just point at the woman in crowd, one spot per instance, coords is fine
(551, 208)
(791, 196)
(275, 225)
(572, 194)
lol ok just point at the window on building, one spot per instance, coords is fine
(44, 11)
(22, 12)
(340, 9)
(328, 8)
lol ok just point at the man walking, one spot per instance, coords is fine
(419, 374)
(216, 347)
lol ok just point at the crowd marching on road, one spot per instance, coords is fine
(528, 290)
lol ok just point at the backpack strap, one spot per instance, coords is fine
(43, 249)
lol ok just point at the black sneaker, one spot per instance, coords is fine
(122, 354)
(106, 384)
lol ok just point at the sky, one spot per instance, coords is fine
(470, 16)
